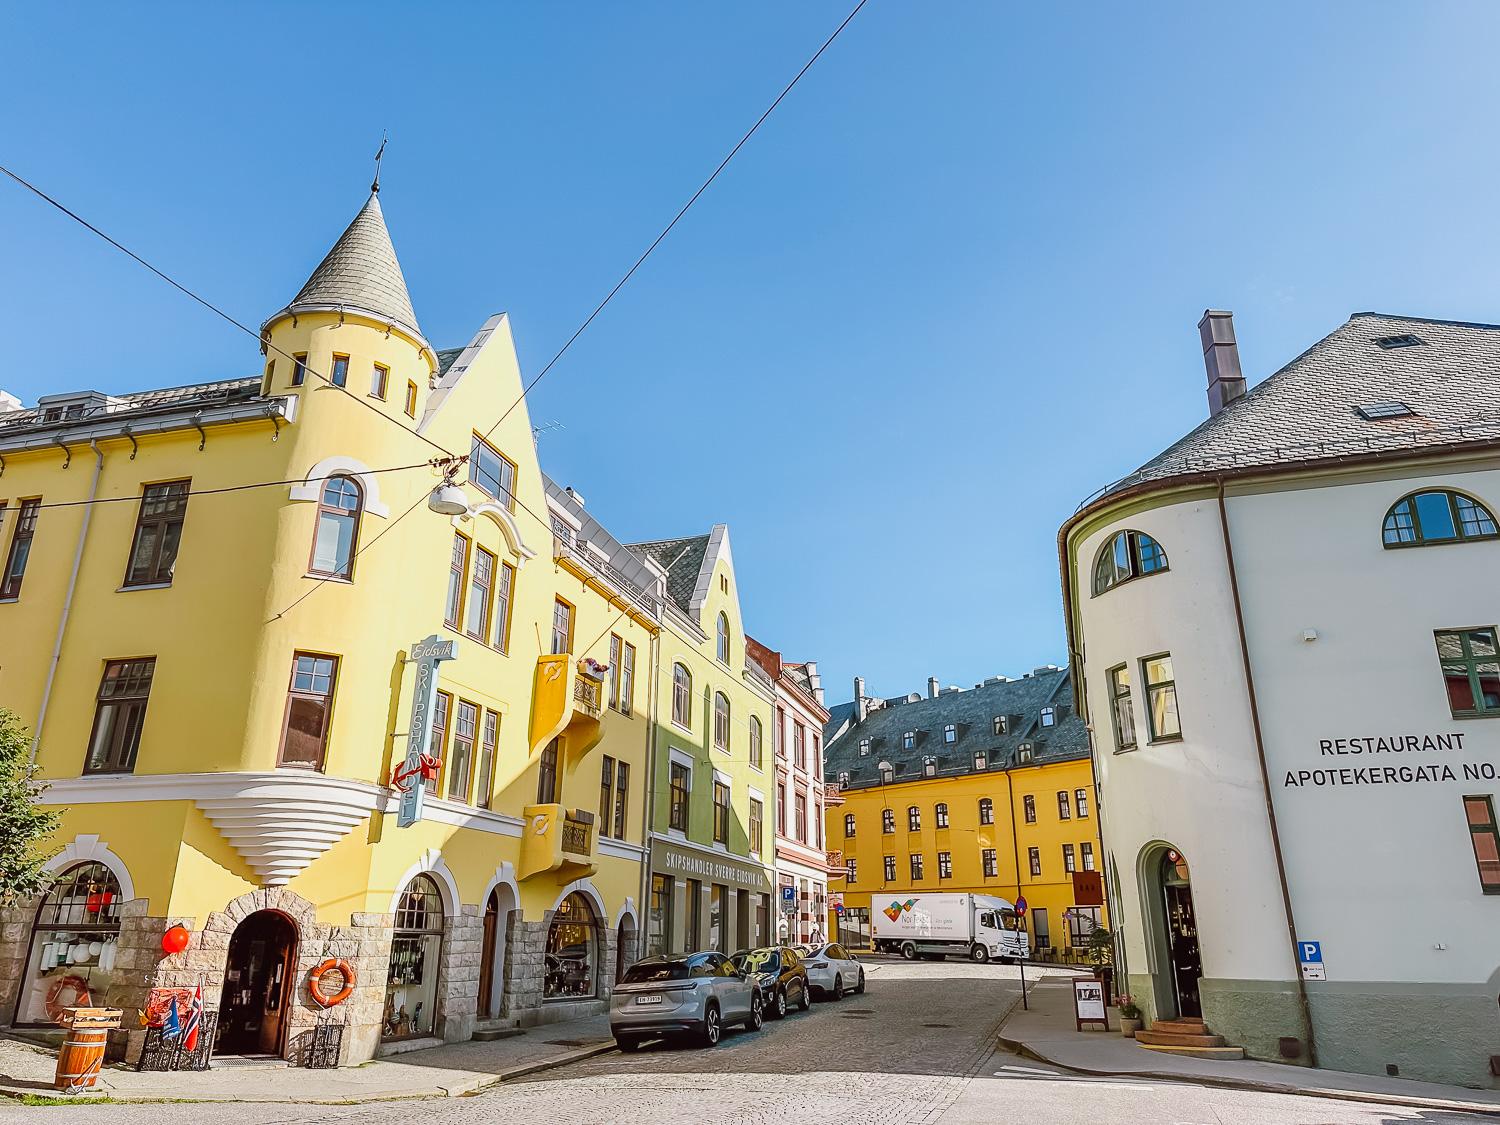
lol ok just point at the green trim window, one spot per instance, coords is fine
(1129, 554)
(1162, 721)
(1121, 712)
(679, 786)
(1484, 834)
(1470, 659)
(1439, 516)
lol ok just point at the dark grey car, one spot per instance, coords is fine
(695, 994)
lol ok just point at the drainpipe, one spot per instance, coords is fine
(62, 624)
(1265, 773)
(1015, 846)
(649, 804)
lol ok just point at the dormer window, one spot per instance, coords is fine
(929, 766)
(887, 773)
(981, 760)
(1000, 725)
(1025, 753)
(1049, 716)
(909, 740)
(844, 778)
(950, 733)
(1129, 554)
(864, 747)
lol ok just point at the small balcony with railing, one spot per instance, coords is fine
(567, 704)
(560, 841)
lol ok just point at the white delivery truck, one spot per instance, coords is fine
(976, 926)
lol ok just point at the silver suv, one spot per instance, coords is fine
(693, 994)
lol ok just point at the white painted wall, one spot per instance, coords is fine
(1203, 794)
(1380, 874)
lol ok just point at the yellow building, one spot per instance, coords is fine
(234, 691)
(988, 790)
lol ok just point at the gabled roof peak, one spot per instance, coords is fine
(360, 274)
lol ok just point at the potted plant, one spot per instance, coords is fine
(1101, 949)
(1130, 1017)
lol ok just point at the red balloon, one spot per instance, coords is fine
(175, 940)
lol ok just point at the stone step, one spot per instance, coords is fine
(1177, 1039)
(1181, 1027)
(1193, 1052)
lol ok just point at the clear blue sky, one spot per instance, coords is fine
(949, 290)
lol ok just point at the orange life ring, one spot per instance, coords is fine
(77, 987)
(315, 981)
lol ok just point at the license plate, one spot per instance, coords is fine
(648, 999)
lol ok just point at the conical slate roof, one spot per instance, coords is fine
(360, 274)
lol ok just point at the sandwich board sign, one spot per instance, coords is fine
(1088, 1002)
(1310, 957)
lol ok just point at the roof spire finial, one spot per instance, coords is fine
(375, 186)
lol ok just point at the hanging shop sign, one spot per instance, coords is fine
(411, 776)
(1088, 888)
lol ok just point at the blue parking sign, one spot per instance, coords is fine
(788, 895)
(1310, 952)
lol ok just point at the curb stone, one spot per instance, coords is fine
(463, 1089)
(1484, 1108)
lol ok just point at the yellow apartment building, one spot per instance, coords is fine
(337, 716)
(987, 790)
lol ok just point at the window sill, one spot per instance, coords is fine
(1125, 749)
(1467, 716)
(11, 601)
(683, 729)
(144, 586)
(334, 578)
(1165, 739)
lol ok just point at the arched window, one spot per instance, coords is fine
(986, 811)
(1438, 516)
(721, 721)
(848, 824)
(913, 818)
(416, 950)
(724, 639)
(572, 950)
(682, 696)
(941, 814)
(755, 742)
(1130, 554)
(74, 938)
(337, 538)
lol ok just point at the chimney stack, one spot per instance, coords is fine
(859, 699)
(1221, 358)
(815, 682)
(932, 687)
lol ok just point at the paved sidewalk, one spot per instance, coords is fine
(1048, 1034)
(448, 1071)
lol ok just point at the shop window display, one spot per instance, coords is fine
(572, 950)
(71, 962)
(416, 950)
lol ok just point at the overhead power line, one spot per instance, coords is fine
(540, 375)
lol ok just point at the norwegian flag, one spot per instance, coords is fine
(194, 1021)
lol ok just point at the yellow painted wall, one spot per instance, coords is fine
(965, 837)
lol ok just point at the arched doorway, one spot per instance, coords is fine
(74, 936)
(411, 983)
(497, 911)
(257, 986)
(572, 957)
(625, 946)
(1175, 930)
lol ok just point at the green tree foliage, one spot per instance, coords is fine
(24, 825)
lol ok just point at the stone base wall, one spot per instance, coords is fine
(365, 943)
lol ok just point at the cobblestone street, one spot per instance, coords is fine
(918, 1047)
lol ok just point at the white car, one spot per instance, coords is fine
(832, 970)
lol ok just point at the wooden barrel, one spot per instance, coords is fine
(81, 1058)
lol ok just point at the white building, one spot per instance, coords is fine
(1286, 624)
(802, 863)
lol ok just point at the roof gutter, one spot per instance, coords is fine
(1216, 478)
